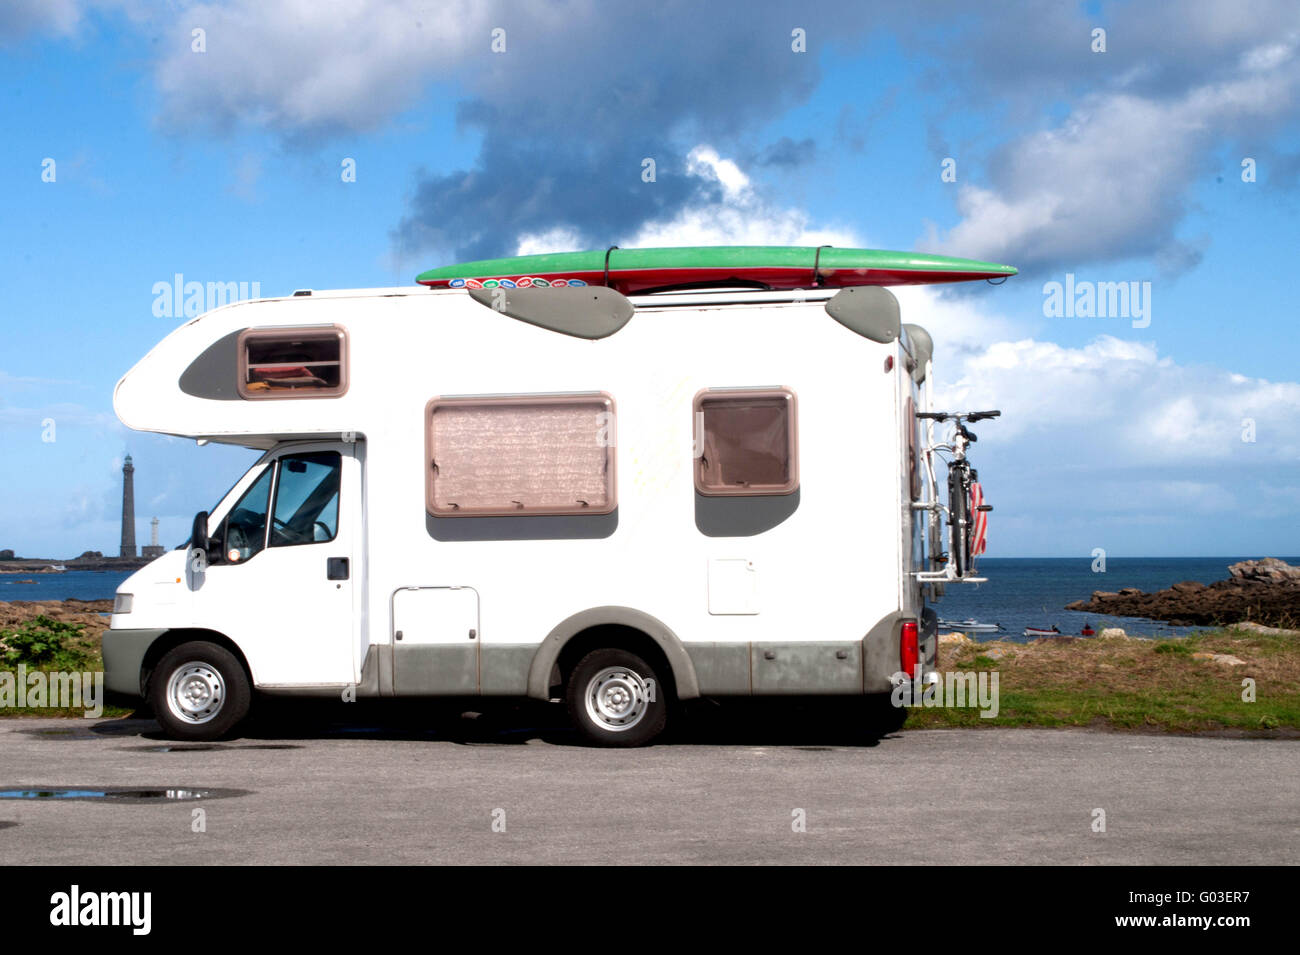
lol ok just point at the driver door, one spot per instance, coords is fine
(284, 587)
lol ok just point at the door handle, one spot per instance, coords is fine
(336, 568)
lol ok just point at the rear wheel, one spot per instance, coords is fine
(959, 511)
(615, 698)
(199, 691)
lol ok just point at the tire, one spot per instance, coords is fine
(616, 699)
(199, 691)
(880, 716)
(958, 501)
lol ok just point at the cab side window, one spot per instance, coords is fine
(306, 499)
(245, 532)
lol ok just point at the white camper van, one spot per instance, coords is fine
(623, 502)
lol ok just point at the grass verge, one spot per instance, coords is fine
(1128, 683)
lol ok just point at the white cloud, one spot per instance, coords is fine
(1110, 180)
(298, 65)
(553, 240)
(743, 216)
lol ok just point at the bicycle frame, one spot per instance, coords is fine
(953, 571)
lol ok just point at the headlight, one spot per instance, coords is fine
(122, 603)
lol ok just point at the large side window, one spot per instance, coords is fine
(245, 526)
(520, 455)
(305, 362)
(746, 442)
(306, 499)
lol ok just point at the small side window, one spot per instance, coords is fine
(305, 362)
(746, 442)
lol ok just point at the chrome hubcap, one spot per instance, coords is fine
(617, 699)
(195, 693)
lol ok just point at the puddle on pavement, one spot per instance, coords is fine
(84, 731)
(134, 794)
(203, 747)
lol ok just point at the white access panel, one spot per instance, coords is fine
(733, 586)
(435, 615)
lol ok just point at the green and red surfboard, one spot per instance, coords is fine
(637, 271)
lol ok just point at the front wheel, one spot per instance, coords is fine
(616, 699)
(199, 691)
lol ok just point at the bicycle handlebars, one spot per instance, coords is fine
(968, 415)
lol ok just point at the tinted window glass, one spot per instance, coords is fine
(307, 499)
(745, 442)
(246, 525)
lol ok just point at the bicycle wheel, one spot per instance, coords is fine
(959, 515)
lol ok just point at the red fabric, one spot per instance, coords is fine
(980, 530)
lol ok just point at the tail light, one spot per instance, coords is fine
(909, 649)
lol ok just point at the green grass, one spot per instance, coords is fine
(49, 646)
(1133, 684)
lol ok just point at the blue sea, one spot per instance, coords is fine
(1021, 592)
(81, 584)
(1033, 592)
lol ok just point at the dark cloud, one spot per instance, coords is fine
(522, 185)
(787, 153)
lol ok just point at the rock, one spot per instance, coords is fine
(1224, 658)
(1112, 632)
(998, 653)
(1266, 591)
(1267, 631)
(1103, 594)
(953, 638)
(1270, 569)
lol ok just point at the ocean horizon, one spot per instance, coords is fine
(1021, 591)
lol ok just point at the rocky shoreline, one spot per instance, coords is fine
(1264, 591)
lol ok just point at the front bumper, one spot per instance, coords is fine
(124, 653)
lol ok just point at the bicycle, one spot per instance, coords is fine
(962, 479)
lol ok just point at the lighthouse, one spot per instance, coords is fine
(128, 508)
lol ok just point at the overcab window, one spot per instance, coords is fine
(306, 362)
(520, 455)
(745, 442)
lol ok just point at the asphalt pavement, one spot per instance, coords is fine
(516, 787)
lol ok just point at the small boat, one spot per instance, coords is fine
(633, 271)
(971, 626)
(1087, 631)
(1040, 632)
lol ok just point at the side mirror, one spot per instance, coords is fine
(199, 539)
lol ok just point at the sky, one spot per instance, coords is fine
(1153, 144)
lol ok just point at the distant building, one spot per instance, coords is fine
(153, 548)
(128, 508)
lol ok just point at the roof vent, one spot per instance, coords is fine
(301, 291)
